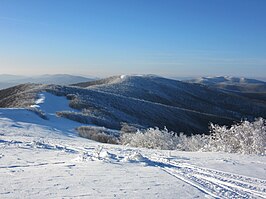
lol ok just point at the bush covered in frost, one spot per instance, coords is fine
(191, 143)
(245, 137)
(152, 138)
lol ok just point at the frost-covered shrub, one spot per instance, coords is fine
(152, 138)
(99, 134)
(191, 143)
(245, 137)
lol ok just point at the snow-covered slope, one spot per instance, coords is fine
(38, 160)
(232, 83)
(174, 104)
(48, 104)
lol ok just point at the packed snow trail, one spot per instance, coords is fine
(216, 183)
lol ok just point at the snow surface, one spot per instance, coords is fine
(52, 105)
(39, 160)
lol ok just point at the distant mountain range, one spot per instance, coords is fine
(60, 79)
(146, 101)
(250, 88)
(232, 83)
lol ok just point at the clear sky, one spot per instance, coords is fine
(164, 37)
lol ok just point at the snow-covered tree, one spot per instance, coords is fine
(152, 138)
(245, 137)
(191, 143)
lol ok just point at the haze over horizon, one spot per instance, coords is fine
(104, 38)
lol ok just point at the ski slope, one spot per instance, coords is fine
(46, 159)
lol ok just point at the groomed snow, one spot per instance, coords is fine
(39, 160)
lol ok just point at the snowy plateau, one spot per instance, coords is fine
(47, 159)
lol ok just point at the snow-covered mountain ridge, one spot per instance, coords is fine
(144, 100)
(238, 84)
(226, 79)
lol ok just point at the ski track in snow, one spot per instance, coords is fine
(215, 183)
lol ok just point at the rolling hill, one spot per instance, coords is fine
(250, 88)
(232, 83)
(147, 101)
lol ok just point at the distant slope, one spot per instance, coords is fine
(225, 79)
(232, 83)
(98, 82)
(10, 78)
(171, 92)
(250, 88)
(7, 80)
(60, 79)
(4, 85)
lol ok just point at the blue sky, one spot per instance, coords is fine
(170, 38)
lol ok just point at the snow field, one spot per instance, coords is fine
(45, 163)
